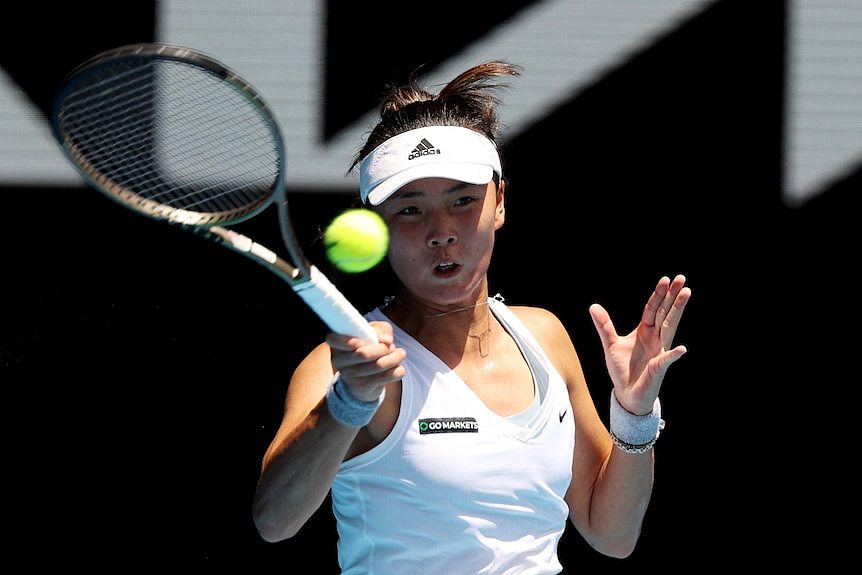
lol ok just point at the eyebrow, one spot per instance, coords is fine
(407, 194)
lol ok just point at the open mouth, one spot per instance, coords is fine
(445, 268)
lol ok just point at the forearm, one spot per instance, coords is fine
(623, 488)
(619, 502)
(298, 472)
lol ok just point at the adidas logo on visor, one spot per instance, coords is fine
(423, 148)
(465, 156)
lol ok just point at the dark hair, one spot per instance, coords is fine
(467, 101)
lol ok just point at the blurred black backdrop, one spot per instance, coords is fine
(142, 370)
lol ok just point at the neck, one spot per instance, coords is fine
(392, 300)
(416, 322)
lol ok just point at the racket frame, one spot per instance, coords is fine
(304, 278)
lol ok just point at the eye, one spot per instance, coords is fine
(409, 211)
(465, 201)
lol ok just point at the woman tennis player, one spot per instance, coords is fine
(464, 439)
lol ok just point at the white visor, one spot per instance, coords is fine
(449, 152)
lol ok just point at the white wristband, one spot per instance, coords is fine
(635, 433)
(347, 409)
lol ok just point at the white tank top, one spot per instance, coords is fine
(455, 488)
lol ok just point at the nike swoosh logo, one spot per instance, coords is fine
(563, 414)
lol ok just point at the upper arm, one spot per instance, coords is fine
(306, 389)
(308, 384)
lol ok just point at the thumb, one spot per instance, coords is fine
(604, 325)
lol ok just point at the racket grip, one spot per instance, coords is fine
(332, 307)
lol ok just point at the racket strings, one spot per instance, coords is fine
(176, 136)
(221, 149)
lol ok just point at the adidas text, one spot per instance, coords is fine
(416, 153)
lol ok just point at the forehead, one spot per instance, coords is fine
(433, 186)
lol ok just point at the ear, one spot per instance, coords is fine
(500, 209)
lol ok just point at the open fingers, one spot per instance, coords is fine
(653, 307)
(671, 308)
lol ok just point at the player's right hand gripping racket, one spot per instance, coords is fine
(173, 134)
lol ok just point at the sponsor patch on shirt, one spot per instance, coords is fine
(448, 425)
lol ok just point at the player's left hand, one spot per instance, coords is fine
(637, 362)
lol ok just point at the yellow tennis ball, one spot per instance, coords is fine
(356, 240)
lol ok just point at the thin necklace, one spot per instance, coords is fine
(389, 300)
(484, 337)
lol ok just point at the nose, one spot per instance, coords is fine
(437, 241)
(441, 233)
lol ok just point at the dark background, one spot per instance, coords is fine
(142, 370)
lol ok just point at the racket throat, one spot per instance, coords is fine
(244, 244)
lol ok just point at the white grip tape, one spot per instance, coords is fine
(332, 307)
(245, 244)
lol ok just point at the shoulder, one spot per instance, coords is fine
(319, 355)
(541, 322)
(554, 338)
(313, 373)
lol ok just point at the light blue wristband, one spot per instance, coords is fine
(635, 433)
(347, 409)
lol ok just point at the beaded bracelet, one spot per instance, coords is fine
(347, 409)
(635, 433)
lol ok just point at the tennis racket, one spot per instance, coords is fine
(173, 134)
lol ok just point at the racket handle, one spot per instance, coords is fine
(332, 307)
